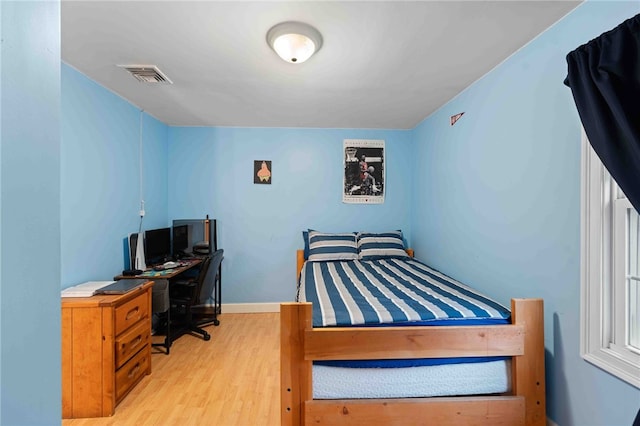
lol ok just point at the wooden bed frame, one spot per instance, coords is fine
(523, 340)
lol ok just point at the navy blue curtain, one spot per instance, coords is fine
(604, 77)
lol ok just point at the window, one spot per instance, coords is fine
(610, 273)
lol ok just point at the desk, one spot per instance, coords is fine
(167, 274)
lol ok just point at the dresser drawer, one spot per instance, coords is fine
(131, 312)
(131, 341)
(131, 372)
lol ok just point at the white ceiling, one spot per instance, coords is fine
(383, 64)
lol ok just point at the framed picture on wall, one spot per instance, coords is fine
(364, 171)
(262, 172)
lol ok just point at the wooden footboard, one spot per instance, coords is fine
(523, 340)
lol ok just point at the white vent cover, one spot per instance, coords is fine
(147, 73)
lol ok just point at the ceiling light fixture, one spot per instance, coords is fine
(294, 42)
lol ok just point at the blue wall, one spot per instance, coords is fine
(497, 203)
(100, 178)
(260, 226)
(30, 213)
(192, 172)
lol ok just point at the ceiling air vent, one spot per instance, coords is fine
(147, 73)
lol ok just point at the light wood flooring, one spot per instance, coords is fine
(231, 380)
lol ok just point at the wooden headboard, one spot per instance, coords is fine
(300, 261)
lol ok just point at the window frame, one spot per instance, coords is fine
(603, 309)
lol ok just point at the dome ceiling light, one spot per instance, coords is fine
(294, 42)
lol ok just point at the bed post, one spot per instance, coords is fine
(299, 263)
(295, 372)
(528, 369)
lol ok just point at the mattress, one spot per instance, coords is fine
(397, 291)
(437, 380)
(406, 292)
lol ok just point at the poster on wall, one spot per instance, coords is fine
(364, 171)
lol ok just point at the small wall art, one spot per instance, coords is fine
(456, 117)
(262, 172)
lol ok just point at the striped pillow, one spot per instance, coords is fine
(323, 247)
(378, 246)
(305, 238)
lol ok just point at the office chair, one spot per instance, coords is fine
(204, 312)
(183, 296)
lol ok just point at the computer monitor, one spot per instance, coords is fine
(195, 231)
(180, 240)
(157, 245)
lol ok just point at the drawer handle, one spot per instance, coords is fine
(133, 343)
(132, 312)
(134, 370)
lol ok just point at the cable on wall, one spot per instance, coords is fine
(142, 212)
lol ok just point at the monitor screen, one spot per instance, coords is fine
(180, 239)
(157, 245)
(195, 232)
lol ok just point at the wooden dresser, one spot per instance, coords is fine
(106, 350)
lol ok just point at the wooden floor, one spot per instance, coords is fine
(233, 379)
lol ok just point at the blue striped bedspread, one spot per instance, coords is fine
(393, 291)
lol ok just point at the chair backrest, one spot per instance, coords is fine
(200, 279)
(208, 286)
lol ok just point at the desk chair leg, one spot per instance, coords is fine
(193, 327)
(167, 337)
(205, 335)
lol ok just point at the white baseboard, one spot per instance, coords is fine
(249, 308)
(551, 422)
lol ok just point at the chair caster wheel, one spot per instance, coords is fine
(207, 337)
(216, 322)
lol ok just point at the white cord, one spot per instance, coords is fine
(142, 212)
(140, 227)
